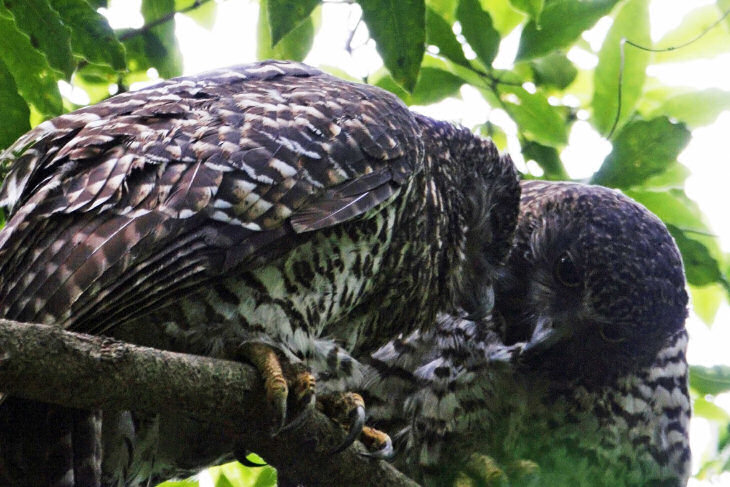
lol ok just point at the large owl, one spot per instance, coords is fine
(242, 213)
(578, 377)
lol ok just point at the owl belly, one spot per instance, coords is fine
(308, 293)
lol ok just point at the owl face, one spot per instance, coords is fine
(594, 285)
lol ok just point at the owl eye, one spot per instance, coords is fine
(566, 272)
(611, 334)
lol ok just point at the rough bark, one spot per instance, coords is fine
(48, 364)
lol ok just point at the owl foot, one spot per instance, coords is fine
(348, 410)
(274, 373)
(378, 443)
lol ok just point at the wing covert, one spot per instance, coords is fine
(234, 159)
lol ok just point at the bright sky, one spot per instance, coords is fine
(232, 40)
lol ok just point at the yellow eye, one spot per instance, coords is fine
(566, 272)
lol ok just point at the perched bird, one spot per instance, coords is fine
(579, 376)
(242, 213)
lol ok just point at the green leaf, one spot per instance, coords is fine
(697, 22)
(46, 31)
(180, 483)
(533, 8)
(444, 8)
(235, 474)
(554, 70)
(709, 410)
(673, 177)
(156, 47)
(160, 42)
(706, 301)
(535, 117)
(295, 45)
(285, 15)
(15, 118)
(91, 36)
(561, 23)
(504, 17)
(495, 133)
(203, 15)
(724, 6)
(547, 158)
(477, 28)
(34, 78)
(642, 149)
(267, 478)
(699, 265)
(440, 34)
(223, 481)
(433, 85)
(95, 80)
(399, 30)
(697, 108)
(710, 380)
(626, 74)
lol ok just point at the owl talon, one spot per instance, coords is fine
(357, 422)
(302, 394)
(379, 444)
(264, 358)
(348, 409)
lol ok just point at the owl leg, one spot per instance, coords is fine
(267, 362)
(348, 409)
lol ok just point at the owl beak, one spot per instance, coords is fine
(545, 335)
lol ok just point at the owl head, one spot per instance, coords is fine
(594, 284)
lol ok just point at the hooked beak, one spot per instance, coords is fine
(544, 336)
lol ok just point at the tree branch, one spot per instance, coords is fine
(48, 364)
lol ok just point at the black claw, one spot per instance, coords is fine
(295, 423)
(386, 453)
(279, 418)
(358, 421)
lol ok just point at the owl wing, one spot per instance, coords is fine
(147, 194)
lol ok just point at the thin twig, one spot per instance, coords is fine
(624, 41)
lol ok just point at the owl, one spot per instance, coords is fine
(243, 213)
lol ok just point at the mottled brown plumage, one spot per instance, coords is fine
(266, 203)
